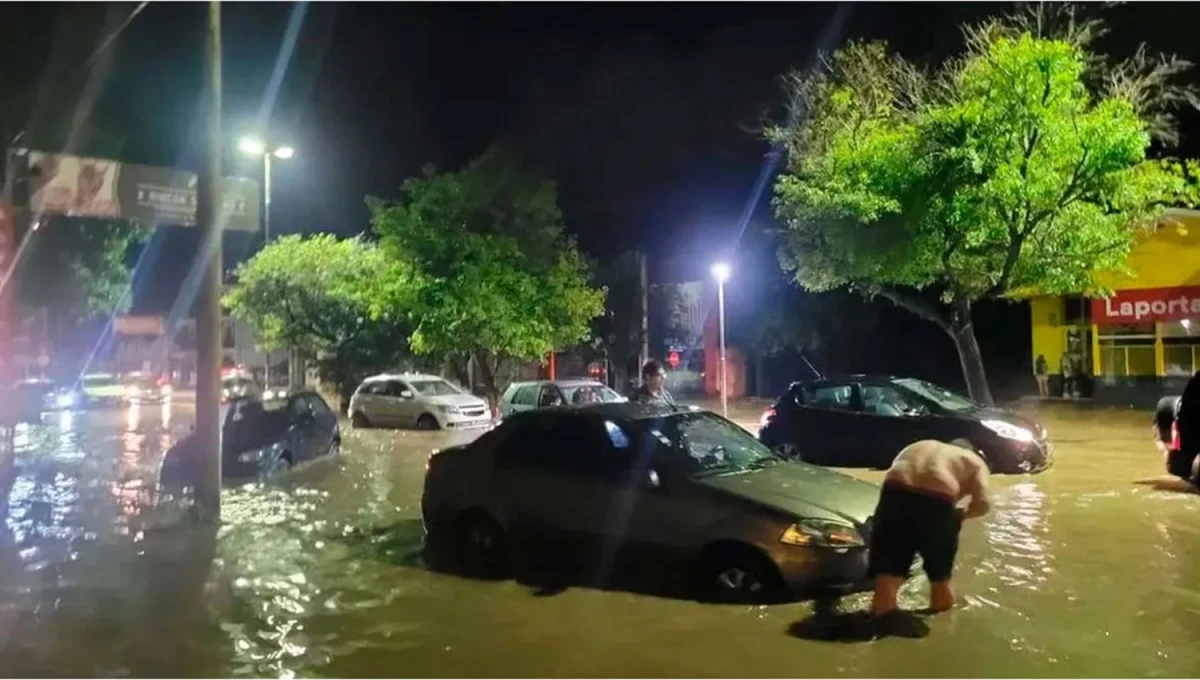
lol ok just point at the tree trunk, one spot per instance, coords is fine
(963, 331)
(487, 372)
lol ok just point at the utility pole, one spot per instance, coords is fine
(208, 318)
(644, 284)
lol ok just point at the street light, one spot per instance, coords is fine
(253, 146)
(721, 271)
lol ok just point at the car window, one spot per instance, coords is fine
(549, 396)
(830, 397)
(394, 388)
(299, 407)
(319, 407)
(565, 444)
(372, 388)
(526, 395)
(883, 400)
(433, 387)
(592, 394)
(703, 444)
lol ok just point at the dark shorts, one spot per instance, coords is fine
(907, 524)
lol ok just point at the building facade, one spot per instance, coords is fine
(1141, 343)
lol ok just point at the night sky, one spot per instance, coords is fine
(644, 112)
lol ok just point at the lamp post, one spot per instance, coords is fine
(721, 272)
(253, 146)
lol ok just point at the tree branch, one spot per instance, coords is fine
(917, 305)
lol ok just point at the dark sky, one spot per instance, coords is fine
(644, 112)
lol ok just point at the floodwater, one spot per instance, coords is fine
(1080, 571)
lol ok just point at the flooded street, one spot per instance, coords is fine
(1080, 571)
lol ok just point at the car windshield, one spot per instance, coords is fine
(707, 445)
(434, 388)
(938, 395)
(591, 394)
(236, 383)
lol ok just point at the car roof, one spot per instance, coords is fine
(99, 375)
(565, 382)
(853, 377)
(611, 411)
(402, 376)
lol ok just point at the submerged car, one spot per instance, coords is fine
(102, 389)
(239, 387)
(1166, 429)
(689, 490)
(864, 421)
(526, 396)
(427, 402)
(260, 440)
(142, 388)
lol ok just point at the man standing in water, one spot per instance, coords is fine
(920, 512)
(653, 389)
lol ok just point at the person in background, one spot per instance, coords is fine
(1068, 373)
(930, 489)
(653, 389)
(1041, 373)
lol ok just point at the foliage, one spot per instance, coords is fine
(343, 300)
(1021, 166)
(495, 276)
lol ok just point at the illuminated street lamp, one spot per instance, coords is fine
(253, 146)
(721, 271)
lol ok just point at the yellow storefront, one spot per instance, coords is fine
(1142, 342)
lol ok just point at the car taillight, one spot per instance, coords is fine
(767, 417)
(1175, 437)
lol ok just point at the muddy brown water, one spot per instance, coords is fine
(1080, 571)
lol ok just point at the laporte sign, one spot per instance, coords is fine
(1148, 305)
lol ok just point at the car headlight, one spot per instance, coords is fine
(253, 455)
(819, 533)
(1008, 430)
(65, 400)
(448, 409)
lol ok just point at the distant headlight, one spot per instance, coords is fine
(65, 400)
(817, 533)
(1008, 430)
(448, 409)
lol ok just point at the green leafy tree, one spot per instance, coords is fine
(1020, 166)
(496, 278)
(343, 300)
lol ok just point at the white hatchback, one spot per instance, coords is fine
(427, 402)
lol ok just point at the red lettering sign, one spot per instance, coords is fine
(1147, 306)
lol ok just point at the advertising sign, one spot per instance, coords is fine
(1147, 306)
(99, 187)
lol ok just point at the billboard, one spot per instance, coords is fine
(1147, 305)
(99, 187)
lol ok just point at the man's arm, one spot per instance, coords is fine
(977, 487)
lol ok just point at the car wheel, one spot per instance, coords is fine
(481, 548)
(427, 422)
(788, 451)
(279, 467)
(360, 420)
(736, 574)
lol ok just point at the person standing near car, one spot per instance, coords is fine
(1041, 373)
(1068, 373)
(929, 490)
(653, 389)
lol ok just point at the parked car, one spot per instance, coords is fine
(260, 440)
(689, 489)
(146, 388)
(102, 389)
(36, 396)
(864, 421)
(526, 396)
(427, 402)
(1166, 431)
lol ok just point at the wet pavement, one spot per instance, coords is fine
(1090, 569)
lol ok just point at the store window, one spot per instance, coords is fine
(1181, 348)
(1127, 350)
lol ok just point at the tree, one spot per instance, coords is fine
(496, 279)
(1020, 166)
(341, 299)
